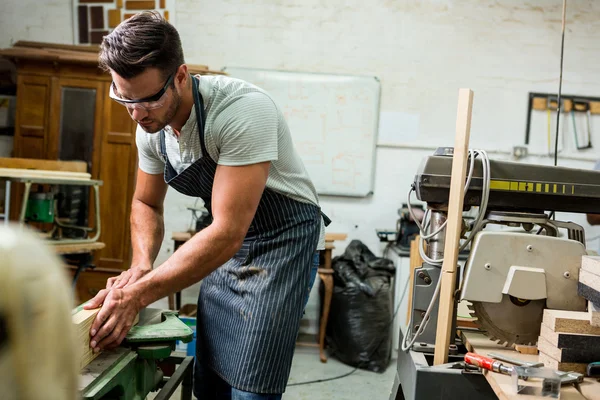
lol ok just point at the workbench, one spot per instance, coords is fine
(477, 342)
(142, 363)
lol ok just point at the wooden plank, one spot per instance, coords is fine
(50, 165)
(550, 362)
(77, 248)
(591, 264)
(526, 349)
(453, 225)
(330, 237)
(589, 279)
(42, 45)
(595, 107)
(563, 340)
(594, 314)
(140, 4)
(569, 322)
(502, 384)
(44, 174)
(569, 354)
(83, 322)
(415, 262)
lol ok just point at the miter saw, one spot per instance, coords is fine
(520, 259)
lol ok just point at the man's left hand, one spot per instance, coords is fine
(114, 320)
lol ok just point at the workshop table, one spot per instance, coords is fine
(477, 342)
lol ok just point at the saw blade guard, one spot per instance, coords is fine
(524, 266)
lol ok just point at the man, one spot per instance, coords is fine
(225, 141)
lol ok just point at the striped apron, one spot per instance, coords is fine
(249, 309)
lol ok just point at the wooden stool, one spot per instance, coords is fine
(326, 275)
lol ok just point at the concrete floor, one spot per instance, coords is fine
(361, 384)
(306, 366)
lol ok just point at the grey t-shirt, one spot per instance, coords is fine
(243, 126)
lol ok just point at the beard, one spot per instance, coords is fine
(158, 124)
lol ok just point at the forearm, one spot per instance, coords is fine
(192, 262)
(147, 232)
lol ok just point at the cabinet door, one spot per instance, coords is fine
(76, 123)
(33, 103)
(31, 126)
(117, 169)
(75, 135)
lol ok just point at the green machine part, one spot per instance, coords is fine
(40, 207)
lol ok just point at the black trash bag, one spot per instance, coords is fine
(357, 264)
(359, 329)
(345, 275)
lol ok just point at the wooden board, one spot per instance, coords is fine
(501, 384)
(569, 322)
(563, 340)
(591, 264)
(77, 248)
(44, 174)
(453, 225)
(550, 362)
(523, 349)
(83, 322)
(50, 165)
(578, 354)
(589, 279)
(330, 237)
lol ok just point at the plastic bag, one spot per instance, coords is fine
(359, 330)
(359, 326)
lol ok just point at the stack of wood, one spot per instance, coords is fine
(589, 286)
(569, 340)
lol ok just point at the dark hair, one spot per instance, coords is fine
(142, 41)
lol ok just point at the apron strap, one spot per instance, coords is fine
(199, 105)
(326, 219)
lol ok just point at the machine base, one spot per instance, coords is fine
(416, 378)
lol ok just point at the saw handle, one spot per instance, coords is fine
(479, 361)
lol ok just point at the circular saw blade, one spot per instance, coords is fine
(508, 323)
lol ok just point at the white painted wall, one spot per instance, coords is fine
(37, 20)
(422, 52)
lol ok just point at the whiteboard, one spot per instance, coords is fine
(333, 120)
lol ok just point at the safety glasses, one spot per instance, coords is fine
(147, 103)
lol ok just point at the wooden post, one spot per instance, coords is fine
(453, 226)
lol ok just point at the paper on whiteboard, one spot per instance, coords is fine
(398, 127)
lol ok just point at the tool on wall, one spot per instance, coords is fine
(569, 104)
(582, 106)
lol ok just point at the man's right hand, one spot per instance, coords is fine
(117, 282)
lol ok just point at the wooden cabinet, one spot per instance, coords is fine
(64, 113)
